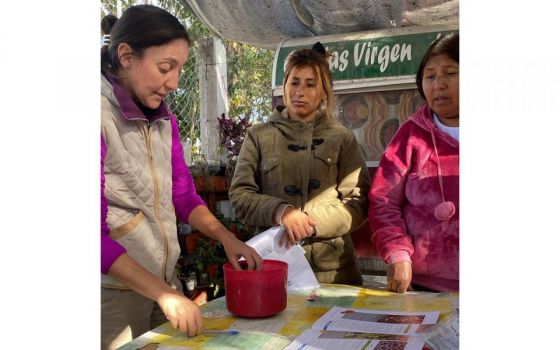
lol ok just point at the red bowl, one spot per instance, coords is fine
(260, 293)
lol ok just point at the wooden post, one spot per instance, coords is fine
(212, 76)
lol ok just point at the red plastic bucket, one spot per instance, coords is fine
(256, 293)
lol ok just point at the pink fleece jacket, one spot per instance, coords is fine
(404, 195)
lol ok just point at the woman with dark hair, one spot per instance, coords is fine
(145, 183)
(304, 171)
(414, 197)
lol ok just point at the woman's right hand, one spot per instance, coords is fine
(399, 276)
(182, 313)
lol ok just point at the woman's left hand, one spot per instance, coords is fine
(235, 249)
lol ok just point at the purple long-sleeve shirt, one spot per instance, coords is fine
(184, 195)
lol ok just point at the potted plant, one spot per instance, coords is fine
(207, 177)
(199, 166)
(209, 255)
(191, 240)
(242, 231)
(232, 134)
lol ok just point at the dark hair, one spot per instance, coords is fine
(141, 27)
(107, 23)
(447, 45)
(317, 59)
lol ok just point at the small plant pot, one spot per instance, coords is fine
(217, 184)
(191, 240)
(212, 271)
(211, 184)
(200, 184)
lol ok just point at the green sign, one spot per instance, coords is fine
(380, 57)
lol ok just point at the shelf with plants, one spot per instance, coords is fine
(242, 232)
(209, 257)
(208, 177)
(200, 270)
(201, 256)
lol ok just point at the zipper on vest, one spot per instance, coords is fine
(156, 201)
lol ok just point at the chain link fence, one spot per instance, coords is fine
(184, 102)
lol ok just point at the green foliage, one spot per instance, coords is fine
(208, 252)
(249, 81)
(112, 6)
(243, 232)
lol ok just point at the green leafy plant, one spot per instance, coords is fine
(242, 231)
(249, 81)
(209, 252)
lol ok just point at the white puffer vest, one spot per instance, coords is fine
(138, 188)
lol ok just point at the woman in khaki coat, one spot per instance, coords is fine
(303, 170)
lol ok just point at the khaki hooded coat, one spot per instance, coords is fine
(316, 167)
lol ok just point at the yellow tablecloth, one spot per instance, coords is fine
(278, 331)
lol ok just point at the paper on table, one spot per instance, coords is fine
(333, 340)
(374, 321)
(300, 274)
(444, 335)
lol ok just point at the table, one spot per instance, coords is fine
(278, 331)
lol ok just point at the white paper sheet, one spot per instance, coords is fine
(313, 339)
(374, 321)
(445, 335)
(300, 274)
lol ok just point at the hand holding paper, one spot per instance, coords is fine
(268, 245)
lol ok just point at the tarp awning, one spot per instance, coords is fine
(266, 23)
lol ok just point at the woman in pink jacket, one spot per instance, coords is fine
(414, 197)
